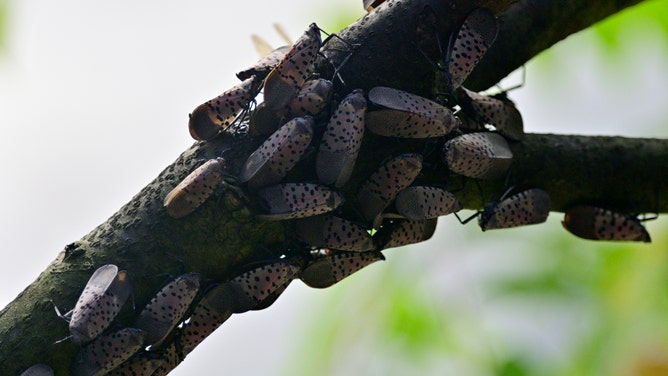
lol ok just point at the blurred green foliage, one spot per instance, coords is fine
(648, 17)
(3, 23)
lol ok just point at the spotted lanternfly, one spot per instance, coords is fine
(342, 140)
(264, 121)
(416, 203)
(312, 98)
(369, 5)
(594, 223)
(263, 66)
(327, 231)
(99, 303)
(216, 115)
(501, 113)
(385, 183)
(297, 200)
(481, 155)
(327, 270)
(170, 358)
(138, 365)
(107, 352)
(278, 154)
(252, 288)
(525, 208)
(195, 188)
(210, 313)
(167, 308)
(38, 370)
(401, 232)
(408, 115)
(287, 78)
(473, 39)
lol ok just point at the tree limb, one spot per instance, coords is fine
(222, 236)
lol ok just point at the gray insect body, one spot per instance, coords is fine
(99, 303)
(596, 223)
(278, 154)
(342, 140)
(195, 189)
(384, 184)
(421, 202)
(215, 116)
(408, 115)
(297, 200)
(108, 352)
(167, 308)
(481, 155)
(328, 270)
(327, 231)
(525, 208)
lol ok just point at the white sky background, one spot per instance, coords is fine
(94, 97)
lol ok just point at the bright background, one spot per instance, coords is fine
(105, 89)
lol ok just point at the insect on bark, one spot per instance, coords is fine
(497, 111)
(286, 79)
(297, 200)
(528, 207)
(421, 202)
(196, 188)
(401, 232)
(481, 155)
(107, 352)
(167, 308)
(342, 140)
(327, 231)
(278, 154)
(215, 116)
(408, 115)
(252, 288)
(99, 303)
(328, 270)
(384, 184)
(475, 36)
(595, 223)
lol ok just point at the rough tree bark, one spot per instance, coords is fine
(222, 235)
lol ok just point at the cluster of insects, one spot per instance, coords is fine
(300, 121)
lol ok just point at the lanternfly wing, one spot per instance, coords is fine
(216, 115)
(591, 222)
(330, 269)
(525, 208)
(501, 113)
(195, 188)
(384, 184)
(481, 155)
(407, 115)
(416, 203)
(342, 141)
(473, 39)
(287, 78)
(332, 232)
(297, 200)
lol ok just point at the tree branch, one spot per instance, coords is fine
(222, 236)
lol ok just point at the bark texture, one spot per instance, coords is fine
(223, 236)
